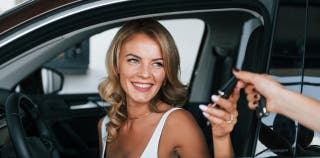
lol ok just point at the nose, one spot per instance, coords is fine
(144, 71)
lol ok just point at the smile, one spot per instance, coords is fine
(142, 85)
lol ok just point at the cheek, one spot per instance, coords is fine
(160, 76)
(124, 75)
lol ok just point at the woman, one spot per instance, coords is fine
(279, 99)
(144, 89)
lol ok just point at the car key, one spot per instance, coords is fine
(226, 90)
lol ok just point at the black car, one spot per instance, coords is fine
(52, 56)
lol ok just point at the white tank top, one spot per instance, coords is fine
(151, 151)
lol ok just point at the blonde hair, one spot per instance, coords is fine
(173, 92)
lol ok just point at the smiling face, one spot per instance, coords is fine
(140, 69)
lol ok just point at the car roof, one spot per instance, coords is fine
(56, 27)
(30, 10)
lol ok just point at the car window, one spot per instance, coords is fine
(285, 67)
(311, 77)
(84, 64)
(294, 64)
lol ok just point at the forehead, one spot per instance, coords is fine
(141, 45)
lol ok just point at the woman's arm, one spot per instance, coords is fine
(296, 106)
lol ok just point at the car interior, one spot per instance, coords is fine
(218, 53)
(36, 68)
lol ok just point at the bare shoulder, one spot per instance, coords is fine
(184, 134)
(180, 116)
(177, 115)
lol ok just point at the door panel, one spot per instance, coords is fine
(75, 130)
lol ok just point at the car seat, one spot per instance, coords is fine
(281, 139)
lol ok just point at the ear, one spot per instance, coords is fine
(117, 69)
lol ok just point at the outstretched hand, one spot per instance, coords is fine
(257, 85)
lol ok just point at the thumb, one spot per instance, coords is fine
(244, 76)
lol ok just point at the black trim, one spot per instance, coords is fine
(109, 13)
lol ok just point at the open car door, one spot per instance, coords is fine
(71, 41)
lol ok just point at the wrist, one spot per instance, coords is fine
(278, 100)
(223, 146)
(224, 138)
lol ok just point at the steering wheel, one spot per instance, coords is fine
(28, 147)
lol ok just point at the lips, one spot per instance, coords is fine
(142, 86)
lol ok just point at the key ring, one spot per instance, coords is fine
(230, 120)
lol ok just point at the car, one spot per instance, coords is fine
(52, 56)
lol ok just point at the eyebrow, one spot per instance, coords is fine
(130, 54)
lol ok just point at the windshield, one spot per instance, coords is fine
(7, 5)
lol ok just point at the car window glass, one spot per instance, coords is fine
(311, 79)
(277, 136)
(84, 64)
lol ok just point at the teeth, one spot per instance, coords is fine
(142, 85)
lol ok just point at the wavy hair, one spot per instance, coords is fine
(172, 92)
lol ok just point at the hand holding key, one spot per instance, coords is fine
(280, 100)
(222, 113)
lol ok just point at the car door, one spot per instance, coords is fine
(62, 40)
(293, 63)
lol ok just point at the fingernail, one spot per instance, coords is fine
(205, 114)
(214, 98)
(235, 69)
(255, 96)
(203, 107)
(213, 105)
(254, 90)
(255, 102)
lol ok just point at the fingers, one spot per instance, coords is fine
(205, 111)
(241, 84)
(227, 112)
(244, 76)
(253, 97)
(223, 103)
(253, 105)
(236, 92)
(249, 89)
(218, 116)
(223, 117)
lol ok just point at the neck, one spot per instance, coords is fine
(139, 116)
(138, 111)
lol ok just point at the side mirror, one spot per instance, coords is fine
(52, 80)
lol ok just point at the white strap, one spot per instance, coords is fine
(104, 135)
(151, 151)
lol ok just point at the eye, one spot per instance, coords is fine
(133, 61)
(158, 64)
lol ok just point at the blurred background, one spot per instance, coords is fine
(7, 4)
